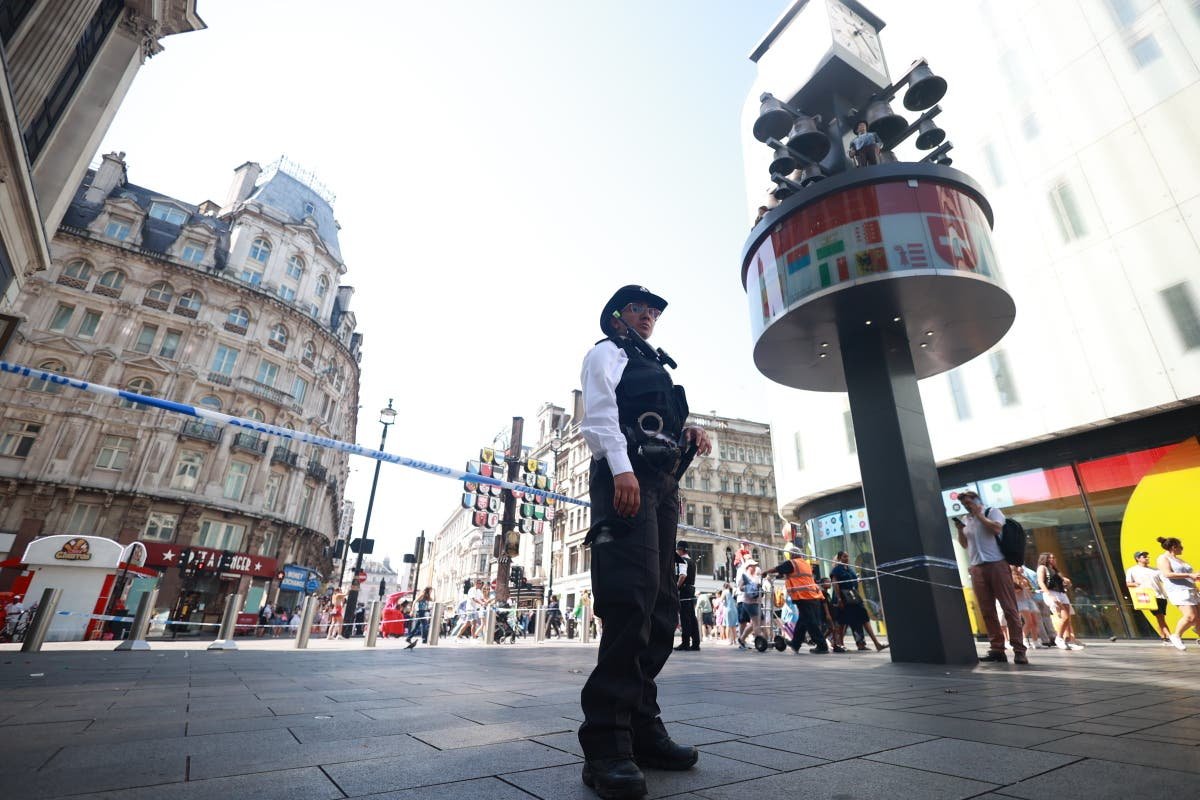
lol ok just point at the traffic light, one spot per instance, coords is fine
(516, 575)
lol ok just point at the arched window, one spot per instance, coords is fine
(322, 286)
(238, 317)
(309, 354)
(78, 269)
(295, 267)
(160, 292)
(260, 250)
(113, 279)
(140, 386)
(37, 384)
(211, 401)
(190, 300)
(256, 414)
(279, 334)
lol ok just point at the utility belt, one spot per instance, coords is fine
(662, 451)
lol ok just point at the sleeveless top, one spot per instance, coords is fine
(1179, 565)
(1054, 581)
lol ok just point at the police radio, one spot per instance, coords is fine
(658, 354)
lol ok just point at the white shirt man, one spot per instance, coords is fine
(991, 577)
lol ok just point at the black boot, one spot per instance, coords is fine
(614, 778)
(662, 753)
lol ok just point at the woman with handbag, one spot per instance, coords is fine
(848, 610)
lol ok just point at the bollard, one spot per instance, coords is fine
(228, 622)
(373, 615)
(435, 624)
(40, 625)
(141, 623)
(539, 624)
(489, 626)
(306, 621)
(585, 633)
(769, 609)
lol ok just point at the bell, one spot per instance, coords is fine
(883, 122)
(811, 174)
(774, 120)
(930, 135)
(808, 140)
(924, 88)
(945, 161)
(782, 191)
(784, 163)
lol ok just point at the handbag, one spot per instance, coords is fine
(850, 597)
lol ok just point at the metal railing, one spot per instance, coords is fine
(281, 455)
(317, 470)
(250, 442)
(277, 396)
(200, 430)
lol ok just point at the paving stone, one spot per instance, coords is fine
(760, 755)
(383, 775)
(1100, 780)
(289, 784)
(474, 735)
(489, 788)
(835, 741)
(285, 753)
(861, 780)
(984, 762)
(60, 782)
(750, 723)
(975, 730)
(564, 783)
(1109, 748)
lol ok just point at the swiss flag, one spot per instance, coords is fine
(952, 242)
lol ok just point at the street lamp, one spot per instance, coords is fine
(387, 417)
(556, 444)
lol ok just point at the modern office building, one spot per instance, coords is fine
(1077, 117)
(67, 65)
(236, 307)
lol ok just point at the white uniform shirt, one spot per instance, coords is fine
(982, 546)
(601, 427)
(1147, 577)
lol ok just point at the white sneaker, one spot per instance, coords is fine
(1078, 645)
(1178, 643)
(1060, 643)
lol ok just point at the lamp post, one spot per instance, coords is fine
(387, 417)
(556, 444)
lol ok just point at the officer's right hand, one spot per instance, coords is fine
(627, 495)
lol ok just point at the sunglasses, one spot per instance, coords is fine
(640, 308)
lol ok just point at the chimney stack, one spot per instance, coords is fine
(243, 183)
(109, 175)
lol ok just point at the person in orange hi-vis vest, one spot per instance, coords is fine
(802, 587)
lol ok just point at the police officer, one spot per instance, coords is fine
(685, 575)
(633, 422)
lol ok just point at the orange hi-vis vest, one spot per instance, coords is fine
(800, 583)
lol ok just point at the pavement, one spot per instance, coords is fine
(498, 723)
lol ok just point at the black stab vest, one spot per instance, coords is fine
(646, 386)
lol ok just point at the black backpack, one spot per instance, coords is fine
(1012, 541)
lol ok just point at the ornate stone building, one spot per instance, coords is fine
(235, 307)
(66, 65)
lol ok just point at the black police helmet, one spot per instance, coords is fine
(623, 297)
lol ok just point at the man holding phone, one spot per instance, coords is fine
(991, 577)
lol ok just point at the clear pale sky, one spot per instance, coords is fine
(500, 169)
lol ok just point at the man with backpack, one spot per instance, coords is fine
(991, 577)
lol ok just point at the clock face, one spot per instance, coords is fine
(856, 35)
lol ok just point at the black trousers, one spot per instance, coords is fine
(809, 622)
(634, 592)
(689, 626)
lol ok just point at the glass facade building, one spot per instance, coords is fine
(1078, 118)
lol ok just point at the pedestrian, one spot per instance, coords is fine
(991, 577)
(1179, 581)
(848, 609)
(732, 613)
(1027, 607)
(424, 609)
(1142, 576)
(801, 586)
(554, 617)
(264, 619)
(685, 577)
(749, 598)
(705, 606)
(634, 422)
(336, 616)
(833, 632)
(1045, 616)
(866, 146)
(294, 623)
(1054, 587)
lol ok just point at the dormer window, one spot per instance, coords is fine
(118, 228)
(168, 213)
(309, 209)
(193, 252)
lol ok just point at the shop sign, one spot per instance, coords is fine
(206, 559)
(74, 550)
(294, 578)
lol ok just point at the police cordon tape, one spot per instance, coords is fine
(200, 412)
